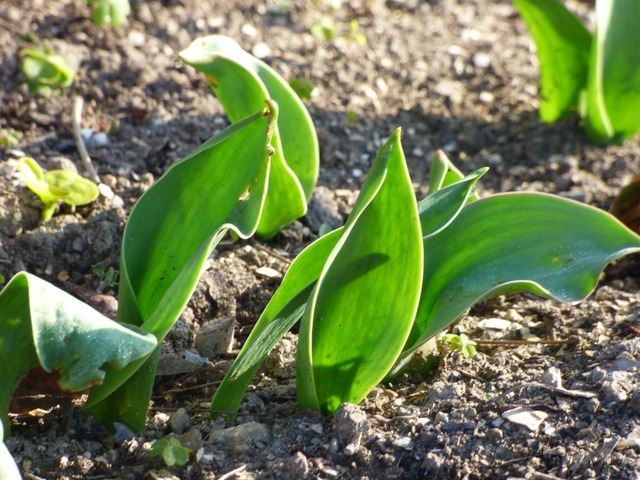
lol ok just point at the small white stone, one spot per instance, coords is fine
(494, 324)
(261, 50)
(526, 417)
(268, 272)
(249, 30)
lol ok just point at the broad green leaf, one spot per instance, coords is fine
(242, 83)
(41, 325)
(8, 468)
(613, 107)
(519, 242)
(563, 45)
(79, 190)
(438, 210)
(170, 233)
(284, 309)
(358, 320)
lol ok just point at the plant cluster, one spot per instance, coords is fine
(597, 74)
(368, 295)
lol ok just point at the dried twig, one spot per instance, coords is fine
(233, 472)
(77, 135)
(559, 390)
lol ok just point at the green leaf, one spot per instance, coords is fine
(45, 71)
(284, 309)
(110, 12)
(563, 45)
(242, 83)
(358, 320)
(519, 242)
(171, 232)
(41, 325)
(614, 75)
(439, 209)
(79, 190)
(56, 185)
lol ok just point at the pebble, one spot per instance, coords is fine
(553, 377)
(242, 434)
(526, 417)
(123, 433)
(215, 337)
(297, 466)
(180, 421)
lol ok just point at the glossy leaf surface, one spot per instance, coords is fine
(284, 309)
(169, 235)
(41, 325)
(242, 83)
(613, 108)
(365, 299)
(520, 242)
(563, 45)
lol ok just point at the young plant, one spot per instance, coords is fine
(170, 233)
(112, 13)
(43, 326)
(172, 451)
(371, 293)
(55, 186)
(599, 74)
(242, 82)
(46, 72)
(461, 342)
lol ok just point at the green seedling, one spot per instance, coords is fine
(242, 82)
(55, 186)
(108, 276)
(372, 293)
(461, 342)
(598, 75)
(9, 137)
(172, 451)
(324, 29)
(355, 35)
(112, 13)
(303, 87)
(170, 233)
(46, 72)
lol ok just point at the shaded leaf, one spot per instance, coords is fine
(41, 325)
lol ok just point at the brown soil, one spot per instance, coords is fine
(455, 74)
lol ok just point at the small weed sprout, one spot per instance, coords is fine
(172, 451)
(46, 72)
(461, 342)
(56, 185)
(112, 13)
